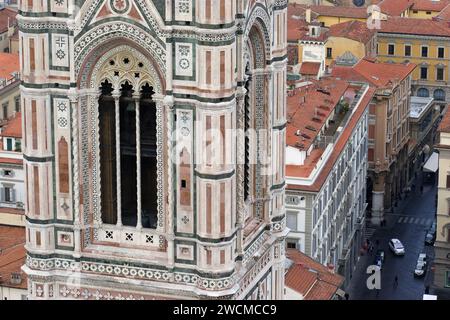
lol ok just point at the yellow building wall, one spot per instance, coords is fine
(416, 51)
(341, 45)
(300, 53)
(329, 21)
(422, 14)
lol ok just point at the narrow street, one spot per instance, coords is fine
(409, 223)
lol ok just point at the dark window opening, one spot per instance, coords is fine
(391, 49)
(292, 245)
(441, 52)
(128, 156)
(424, 52)
(247, 127)
(407, 51)
(440, 74)
(149, 200)
(108, 182)
(423, 73)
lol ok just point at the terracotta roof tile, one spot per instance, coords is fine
(309, 107)
(310, 278)
(430, 5)
(444, 15)
(11, 161)
(343, 12)
(9, 63)
(12, 256)
(310, 68)
(378, 74)
(12, 211)
(7, 15)
(415, 26)
(444, 126)
(13, 128)
(292, 171)
(297, 28)
(394, 7)
(355, 30)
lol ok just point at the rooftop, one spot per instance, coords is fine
(311, 279)
(7, 15)
(444, 126)
(13, 127)
(310, 68)
(343, 12)
(378, 74)
(354, 30)
(419, 105)
(415, 26)
(308, 108)
(394, 7)
(296, 26)
(12, 256)
(430, 5)
(359, 98)
(444, 15)
(9, 65)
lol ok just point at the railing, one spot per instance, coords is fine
(131, 236)
(6, 82)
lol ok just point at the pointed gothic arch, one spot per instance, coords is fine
(255, 115)
(126, 138)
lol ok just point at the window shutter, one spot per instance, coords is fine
(2, 194)
(13, 195)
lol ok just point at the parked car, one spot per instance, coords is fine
(397, 247)
(379, 258)
(433, 227)
(430, 237)
(421, 266)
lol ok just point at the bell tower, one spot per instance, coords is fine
(154, 135)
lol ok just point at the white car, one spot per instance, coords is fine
(421, 266)
(397, 247)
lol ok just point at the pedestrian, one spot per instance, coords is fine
(395, 281)
(347, 296)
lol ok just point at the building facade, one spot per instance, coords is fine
(326, 173)
(423, 124)
(147, 129)
(424, 42)
(441, 285)
(12, 187)
(388, 129)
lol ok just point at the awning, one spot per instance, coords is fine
(432, 163)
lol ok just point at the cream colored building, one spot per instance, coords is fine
(441, 283)
(388, 129)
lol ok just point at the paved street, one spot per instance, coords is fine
(409, 223)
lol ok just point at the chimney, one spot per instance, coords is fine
(308, 15)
